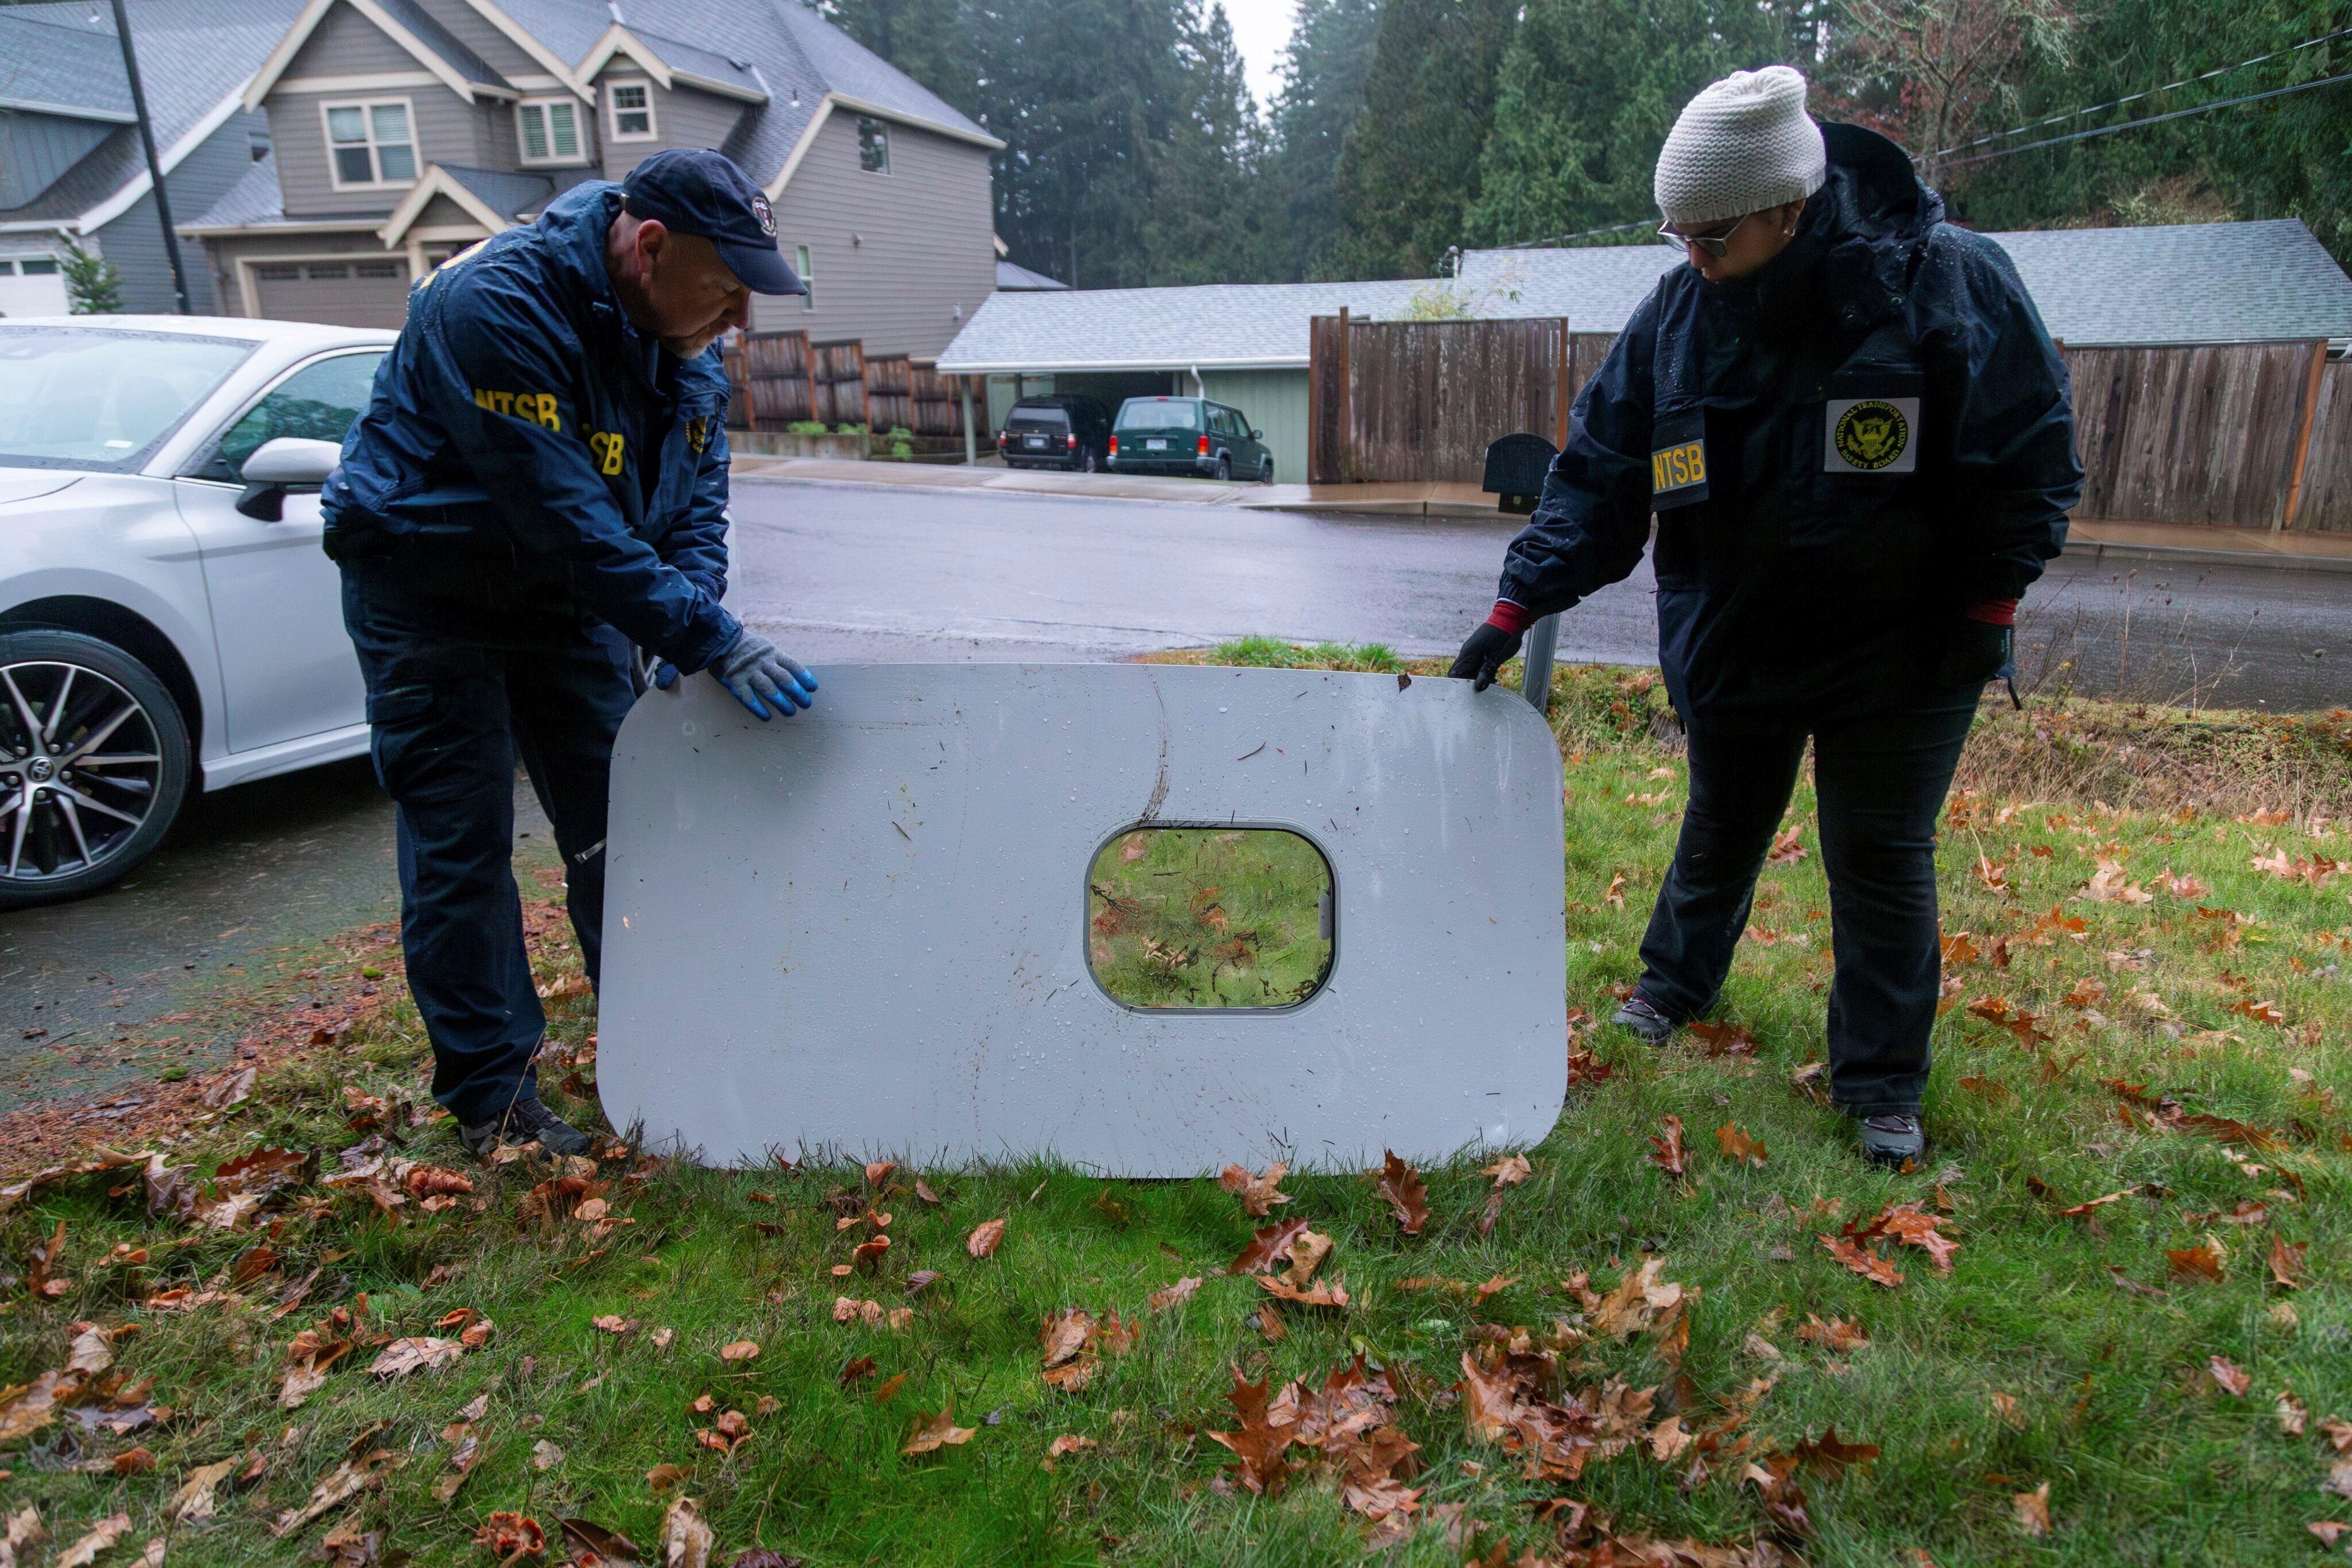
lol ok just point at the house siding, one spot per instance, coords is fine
(685, 118)
(1274, 402)
(134, 241)
(35, 149)
(498, 51)
(447, 129)
(900, 259)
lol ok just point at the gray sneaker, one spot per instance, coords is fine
(1896, 1140)
(526, 1122)
(1644, 1019)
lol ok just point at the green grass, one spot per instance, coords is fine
(2147, 1462)
(1208, 917)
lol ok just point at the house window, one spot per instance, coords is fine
(8, 269)
(38, 266)
(371, 143)
(633, 111)
(873, 145)
(550, 130)
(808, 276)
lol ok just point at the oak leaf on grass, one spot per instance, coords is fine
(1406, 1195)
(1667, 1153)
(933, 1433)
(1257, 1193)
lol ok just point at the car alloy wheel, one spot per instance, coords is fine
(93, 765)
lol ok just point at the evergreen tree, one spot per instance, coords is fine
(1325, 66)
(1208, 217)
(93, 286)
(1410, 165)
(1589, 89)
(2290, 157)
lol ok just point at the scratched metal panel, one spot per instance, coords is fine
(864, 930)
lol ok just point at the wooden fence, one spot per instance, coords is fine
(781, 379)
(2241, 435)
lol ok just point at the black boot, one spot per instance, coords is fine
(526, 1122)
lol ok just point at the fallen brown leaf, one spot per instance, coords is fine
(2233, 1378)
(1407, 1197)
(984, 1239)
(1667, 1153)
(1175, 1294)
(932, 1433)
(1256, 1192)
(1737, 1145)
(100, 1538)
(2032, 1509)
(742, 1350)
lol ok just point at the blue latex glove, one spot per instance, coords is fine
(757, 674)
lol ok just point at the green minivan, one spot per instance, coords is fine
(1187, 435)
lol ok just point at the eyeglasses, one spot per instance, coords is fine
(1714, 245)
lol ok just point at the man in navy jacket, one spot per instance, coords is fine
(540, 481)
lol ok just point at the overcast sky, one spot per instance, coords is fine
(1260, 30)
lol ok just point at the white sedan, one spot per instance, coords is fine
(167, 620)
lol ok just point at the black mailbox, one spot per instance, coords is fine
(1516, 467)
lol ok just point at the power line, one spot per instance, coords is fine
(2150, 119)
(2095, 132)
(2134, 97)
(1580, 233)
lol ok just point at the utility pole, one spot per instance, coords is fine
(154, 164)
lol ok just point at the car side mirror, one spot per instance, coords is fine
(1257, 435)
(283, 464)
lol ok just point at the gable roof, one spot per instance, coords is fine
(2183, 283)
(1012, 274)
(495, 198)
(194, 58)
(1216, 326)
(790, 65)
(406, 23)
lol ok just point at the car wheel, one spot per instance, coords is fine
(93, 765)
(1266, 471)
(1225, 466)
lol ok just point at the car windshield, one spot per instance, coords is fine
(1042, 416)
(75, 397)
(1159, 414)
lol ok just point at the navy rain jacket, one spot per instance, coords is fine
(526, 446)
(1844, 451)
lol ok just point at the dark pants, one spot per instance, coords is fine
(455, 694)
(1880, 780)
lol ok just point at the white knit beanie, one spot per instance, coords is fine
(1743, 144)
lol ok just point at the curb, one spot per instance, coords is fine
(2191, 555)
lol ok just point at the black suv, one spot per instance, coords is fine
(1187, 435)
(1064, 430)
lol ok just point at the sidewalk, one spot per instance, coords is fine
(2166, 543)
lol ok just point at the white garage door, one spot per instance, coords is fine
(366, 293)
(31, 285)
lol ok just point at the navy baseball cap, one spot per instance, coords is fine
(694, 191)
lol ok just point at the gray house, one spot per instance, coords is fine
(405, 130)
(1246, 344)
(72, 168)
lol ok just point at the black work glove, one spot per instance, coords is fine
(1483, 654)
(1976, 652)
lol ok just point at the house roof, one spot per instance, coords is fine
(59, 64)
(253, 200)
(1012, 274)
(427, 30)
(194, 58)
(2195, 283)
(1222, 326)
(2183, 283)
(509, 195)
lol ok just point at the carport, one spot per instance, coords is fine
(1244, 345)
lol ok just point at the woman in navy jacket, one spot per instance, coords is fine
(1857, 440)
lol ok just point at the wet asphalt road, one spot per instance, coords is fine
(253, 877)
